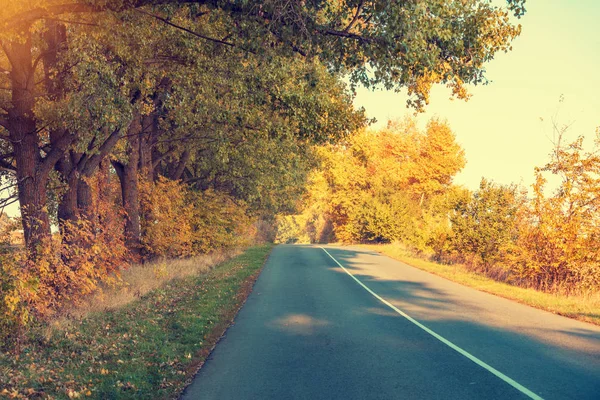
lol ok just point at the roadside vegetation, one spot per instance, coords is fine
(145, 347)
(584, 307)
(394, 186)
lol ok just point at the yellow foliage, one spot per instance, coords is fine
(166, 218)
(37, 283)
(218, 221)
(179, 222)
(377, 186)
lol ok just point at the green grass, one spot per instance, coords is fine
(147, 349)
(584, 308)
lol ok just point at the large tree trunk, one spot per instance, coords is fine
(85, 200)
(67, 208)
(55, 38)
(129, 179)
(146, 144)
(31, 185)
(31, 175)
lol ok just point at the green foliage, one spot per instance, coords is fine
(484, 225)
(218, 221)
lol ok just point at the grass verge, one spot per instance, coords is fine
(147, 349)
(583, 308)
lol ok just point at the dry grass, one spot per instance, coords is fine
(582, 307)
(138, 280)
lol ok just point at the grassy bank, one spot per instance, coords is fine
(146, 348)
(584, 308)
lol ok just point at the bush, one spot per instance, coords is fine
(218, 221)
(180, 222)
(484, 225)
(38, 283)
(166, 214)
(14, 313)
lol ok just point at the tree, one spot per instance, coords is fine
(485, 225)
(377, 186)
(560, 236)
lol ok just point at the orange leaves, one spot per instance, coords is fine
(180, 222)
(66, 267)
(560, 237)
(166, 229)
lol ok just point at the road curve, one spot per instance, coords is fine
(309, 330)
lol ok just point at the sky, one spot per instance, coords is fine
(506, 126)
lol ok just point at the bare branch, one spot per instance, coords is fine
(12, 185)
(64, 21)
(166, 21)
(348, 35)
(7, 202)
(77, 7)
(355, 19)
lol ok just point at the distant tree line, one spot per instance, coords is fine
(395, 186)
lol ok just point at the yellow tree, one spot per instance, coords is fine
(560, 241)
(377, 181)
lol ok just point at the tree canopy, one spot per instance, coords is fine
(109, 106)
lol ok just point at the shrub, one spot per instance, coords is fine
(37, 283)
(218, 221)
(166, 214)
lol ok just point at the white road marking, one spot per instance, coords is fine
(448, 343)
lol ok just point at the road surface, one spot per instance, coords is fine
(347, 323)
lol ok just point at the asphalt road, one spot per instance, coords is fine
(309, 330)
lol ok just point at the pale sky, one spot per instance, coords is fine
(558, 53)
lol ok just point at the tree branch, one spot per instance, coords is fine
(166, 21)
(7, 202)
(356, 16)
(12, 185)
(93, 162)
(57, 151)
(333, 32)
(64, 21)
(4, 123)
(119, 168)
(5, 165)
(157, 160)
